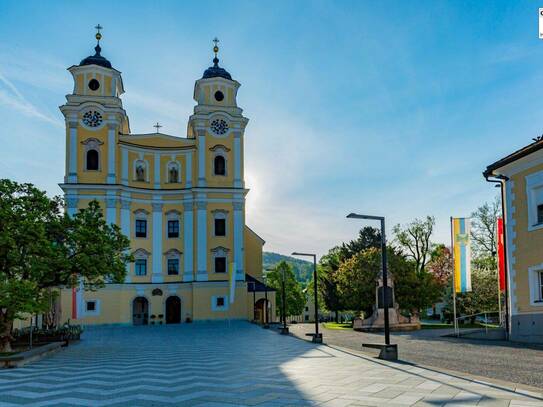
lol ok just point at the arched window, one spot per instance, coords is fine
(219, 165)
(92, 160)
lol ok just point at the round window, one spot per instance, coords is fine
(219, 96)
(94, 84)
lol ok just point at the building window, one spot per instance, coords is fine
(306, 318)
(141, 228)
(173, 228)
(92, 160)
(219, 165)
(534, 191)
(173, 267)
(220, 264)
(220, 302)
(220, 227)
(91, 306)
(141, 267)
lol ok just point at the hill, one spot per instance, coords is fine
(303, 269)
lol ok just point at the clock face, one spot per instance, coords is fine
(219, 127)
(92, 118)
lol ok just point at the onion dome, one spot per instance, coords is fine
(215, 70)
(96, 59)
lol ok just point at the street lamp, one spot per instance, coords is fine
(317, 337)
(266, 319)
(384, 265)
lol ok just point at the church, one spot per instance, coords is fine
(180, 200)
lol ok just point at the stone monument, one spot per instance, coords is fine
(376, 322)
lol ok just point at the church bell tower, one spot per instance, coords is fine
(94, 119)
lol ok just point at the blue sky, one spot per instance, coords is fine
(389, 108)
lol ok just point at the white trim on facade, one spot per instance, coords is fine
(534, 193)
(535, 275)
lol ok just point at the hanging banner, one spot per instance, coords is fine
(501, 253)
(462, 254)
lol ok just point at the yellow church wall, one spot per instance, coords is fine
(528, 244)
(91, 176)
(253, 254)
(203, 296)
(223, 241)
(219, 180)
(107, 85)
(164, 160)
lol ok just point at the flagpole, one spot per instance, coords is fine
(454, 280)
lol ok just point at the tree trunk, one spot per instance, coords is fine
(5, 333)
(337, 316)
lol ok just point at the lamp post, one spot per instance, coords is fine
(317, 337)
(266, 320)
(284, 329)
(384, 266)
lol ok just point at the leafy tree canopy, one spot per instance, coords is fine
(295, 298)
(42, 248)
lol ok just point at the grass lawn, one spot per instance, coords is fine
(335, 325)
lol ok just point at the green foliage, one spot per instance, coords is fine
(295, 298)
(303, 270)
(414, 240)
(368, 237)
(41, 248)
(357, 280)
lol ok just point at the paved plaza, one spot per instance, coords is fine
(500, 360)
(220, 364)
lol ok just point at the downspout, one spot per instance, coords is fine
(502, 179)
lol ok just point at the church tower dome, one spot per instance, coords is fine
(97, 58)
(216, 71)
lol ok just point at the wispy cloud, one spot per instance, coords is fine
(11, 96)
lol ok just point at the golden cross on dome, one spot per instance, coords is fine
(157, 126)
(98, 35)
(216, 47)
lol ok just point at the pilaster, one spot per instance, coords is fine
(238, 240)
(111, 207)
(188, 238)
(72, 159)
(157, 276)
(238, 182)
(201, 207)
(201, 158)
(111, 150)
(125, 226)
(124, 164)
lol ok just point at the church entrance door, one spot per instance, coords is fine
(173, 310)
(140, 311)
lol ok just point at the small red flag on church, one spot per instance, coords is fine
(501, 253)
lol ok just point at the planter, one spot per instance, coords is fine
(36, 353)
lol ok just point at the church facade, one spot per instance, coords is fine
(180, 200)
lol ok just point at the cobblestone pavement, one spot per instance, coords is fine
(219, 364)
(501, 360)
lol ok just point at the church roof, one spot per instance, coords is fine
(96, 59)
(216, 71)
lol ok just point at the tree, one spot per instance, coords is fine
(330, 297)
(42, 248)
(368, 237)
(414, 239)
(295, 298)
(440, 264)
(357, 280)
(483, 229)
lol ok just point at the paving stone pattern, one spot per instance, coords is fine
(220, 364)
